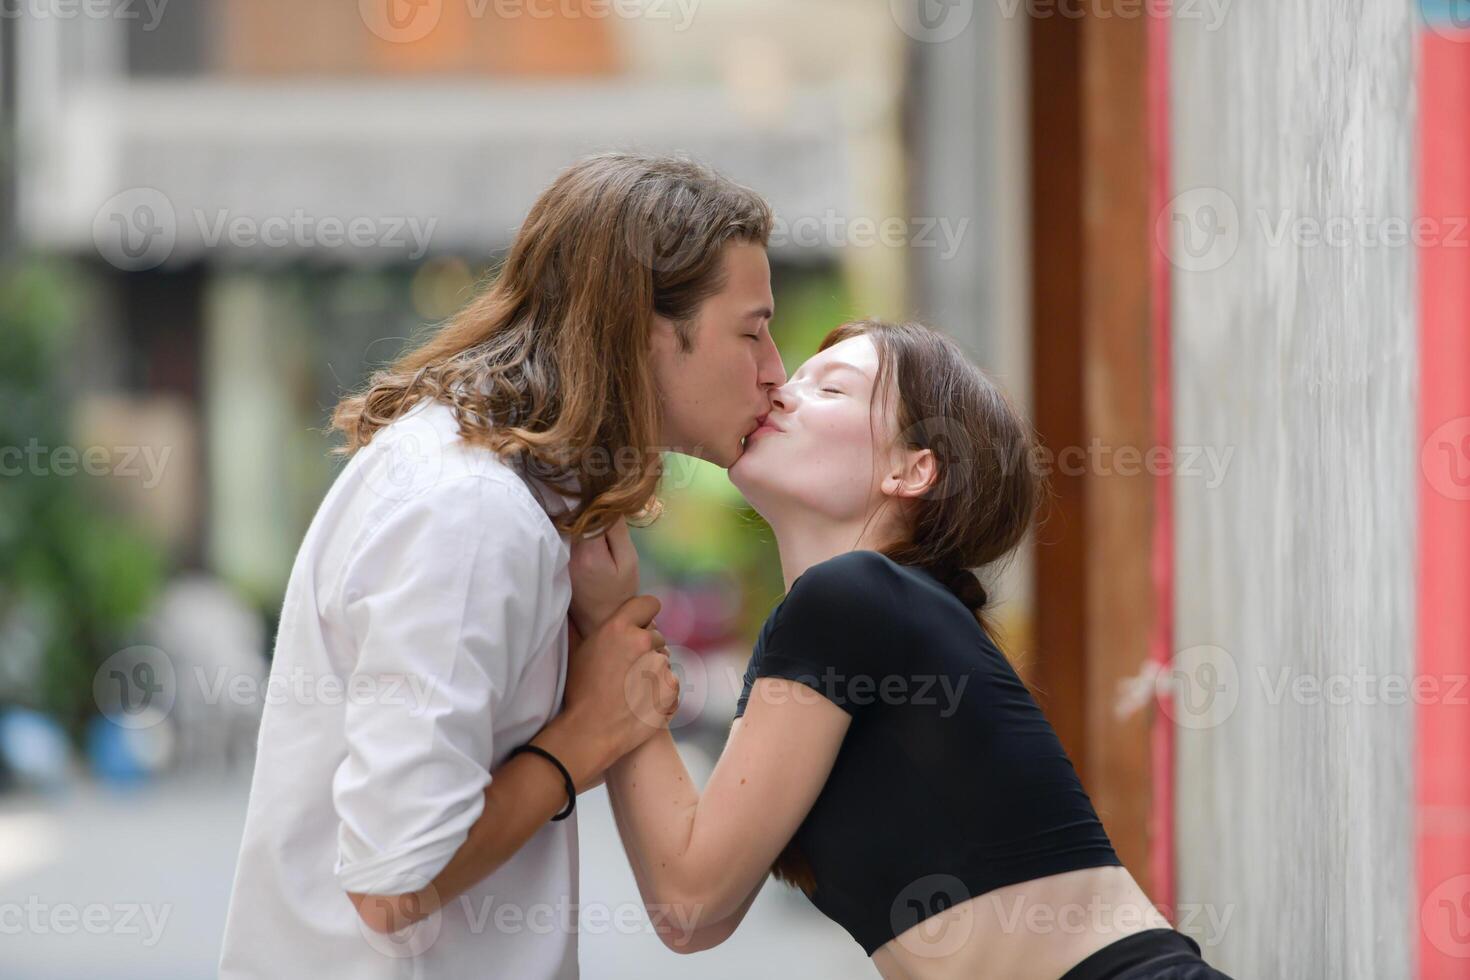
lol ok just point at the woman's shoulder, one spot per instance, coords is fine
(850, 592)
(836, 622)
(856, 574)
(851, 572)
(867, 594)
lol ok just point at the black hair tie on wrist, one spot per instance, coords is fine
(566, 776)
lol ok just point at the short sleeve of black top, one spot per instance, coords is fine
(950, 782)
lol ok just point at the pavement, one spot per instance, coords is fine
(134, 884)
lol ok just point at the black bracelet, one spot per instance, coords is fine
(566, 776)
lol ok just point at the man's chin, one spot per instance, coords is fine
(722, 457)
(729, 460)
(741, 449)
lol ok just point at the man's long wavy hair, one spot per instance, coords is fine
(548, 365)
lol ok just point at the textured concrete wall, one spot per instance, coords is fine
(1294, 361)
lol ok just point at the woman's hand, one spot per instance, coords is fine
(604, 574)
(620, 690)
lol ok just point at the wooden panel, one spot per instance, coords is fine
(1092, 382)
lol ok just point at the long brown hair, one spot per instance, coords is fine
(548, 365)
(987, 488)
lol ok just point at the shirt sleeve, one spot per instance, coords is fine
(832, 633)
(446, 596)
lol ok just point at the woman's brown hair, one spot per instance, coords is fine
(987, 489)
(548, 365)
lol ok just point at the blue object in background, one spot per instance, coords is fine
(127, 756)
(34, 749)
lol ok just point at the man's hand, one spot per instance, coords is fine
(604, 574)
(620, 690)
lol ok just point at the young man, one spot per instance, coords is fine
(424, 631)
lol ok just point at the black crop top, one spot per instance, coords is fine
(950, 781)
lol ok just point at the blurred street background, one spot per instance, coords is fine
(1216, 250)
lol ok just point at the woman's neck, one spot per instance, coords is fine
(806, 541)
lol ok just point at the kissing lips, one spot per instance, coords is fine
(763, 424)
(760, 421)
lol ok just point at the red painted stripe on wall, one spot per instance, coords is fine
(1442, 724)
(1161, 645)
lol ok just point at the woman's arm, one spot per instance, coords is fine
(699, 857)
(700, 860)
(682, 937)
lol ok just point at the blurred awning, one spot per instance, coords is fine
(366, 171)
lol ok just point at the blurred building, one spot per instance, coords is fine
(273, 196)
(269, 197)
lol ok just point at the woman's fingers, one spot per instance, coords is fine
(671, 684)
(620, 544)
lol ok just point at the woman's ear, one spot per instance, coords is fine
(916, 473)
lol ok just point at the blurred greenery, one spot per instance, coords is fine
(73, 578)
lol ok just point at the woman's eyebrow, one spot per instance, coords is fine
(831, 366)
(835, 365)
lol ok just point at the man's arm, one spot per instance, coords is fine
(525, 793)
(598, 724)
(449, 592)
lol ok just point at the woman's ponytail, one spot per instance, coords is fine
(968, 588)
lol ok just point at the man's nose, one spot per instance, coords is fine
(773, 372)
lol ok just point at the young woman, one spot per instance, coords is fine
(885, 755)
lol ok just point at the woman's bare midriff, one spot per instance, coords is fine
(1033, 930)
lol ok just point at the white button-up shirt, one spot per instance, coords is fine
(423, 636)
